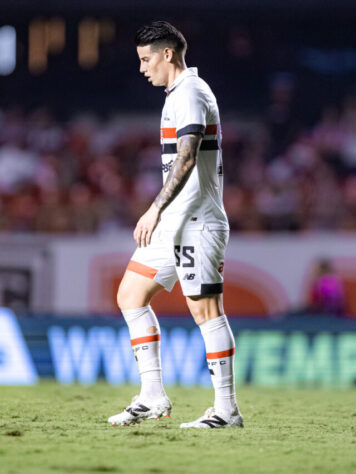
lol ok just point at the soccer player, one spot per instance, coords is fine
(182, 236)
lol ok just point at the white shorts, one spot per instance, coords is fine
(194, 257)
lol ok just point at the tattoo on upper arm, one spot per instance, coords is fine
(187, 151)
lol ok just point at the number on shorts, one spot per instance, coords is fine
(189, 249)
(176, 253)
(187, 252)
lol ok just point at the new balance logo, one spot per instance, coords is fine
(189, 276)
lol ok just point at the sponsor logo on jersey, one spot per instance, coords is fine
(189, 276)
(167, 166)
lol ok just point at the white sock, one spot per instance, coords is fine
(220, 350)
(145, 337)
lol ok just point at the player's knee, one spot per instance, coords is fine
(122, 297)
(204, 308)
(200, 319)
(131, 296)
(199, 316)
(203, 317)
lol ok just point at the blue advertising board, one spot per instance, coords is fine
(301, 351)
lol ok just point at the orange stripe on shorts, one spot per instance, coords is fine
(220, 355)
(169, 132)
(142, 269)
(141, 340)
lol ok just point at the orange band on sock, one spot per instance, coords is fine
(220, 355)
(142, 269)
(141, 340)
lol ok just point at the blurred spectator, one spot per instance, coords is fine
(88, 175)
(17, 166)
(82, 211)
(52, 215)
(327, 290)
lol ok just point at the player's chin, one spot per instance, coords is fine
(156, 83)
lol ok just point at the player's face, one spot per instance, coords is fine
(153, 64)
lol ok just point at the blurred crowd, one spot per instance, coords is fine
(87, 175)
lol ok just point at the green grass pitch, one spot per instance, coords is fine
(50, 428)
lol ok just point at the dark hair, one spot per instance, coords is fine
(160, 34)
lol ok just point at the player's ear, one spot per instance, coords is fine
(168, 54)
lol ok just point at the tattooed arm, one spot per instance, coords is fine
(187, 151)
(187, 148)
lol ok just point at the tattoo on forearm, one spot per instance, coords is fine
(187, 150)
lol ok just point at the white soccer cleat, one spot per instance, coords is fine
(137, 412)
(210, 419)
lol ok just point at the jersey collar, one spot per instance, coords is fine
(189, 71)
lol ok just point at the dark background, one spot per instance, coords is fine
(239, 47)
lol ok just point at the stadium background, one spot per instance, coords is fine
(79, 163)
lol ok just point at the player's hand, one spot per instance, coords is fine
(146, 225)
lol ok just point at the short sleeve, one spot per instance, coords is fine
(191, 111)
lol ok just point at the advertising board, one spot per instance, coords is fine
(304, 352)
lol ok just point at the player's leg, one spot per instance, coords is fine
(204, 298)
(134, 295)
(219, 341)
(204, 308)
(140, 283)
(136, 290)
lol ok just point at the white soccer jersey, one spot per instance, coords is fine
(191, 107)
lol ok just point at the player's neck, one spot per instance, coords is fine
(175, 72)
